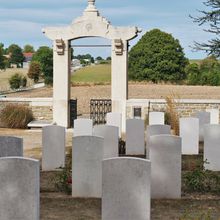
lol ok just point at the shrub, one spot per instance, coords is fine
(16, 116)
(34, 71)
(171, 115)
(201, 180)
(17, 81)
(63, 180)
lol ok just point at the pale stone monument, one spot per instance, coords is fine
(165, 156)
(19, 189)
(189, 132)
(214, 116)
(111, 139)
(115, 119)
(126, 189)
(156, 118)
(83, 127)
(157, 130)
(90, 24)
(53, 143)
(11, 146)
(212, 147)
(87, 155)
(135, 140)
(204, 119)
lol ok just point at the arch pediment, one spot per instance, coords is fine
(91, 24)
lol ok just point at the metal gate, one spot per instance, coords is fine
(98, 110)
(73, 111)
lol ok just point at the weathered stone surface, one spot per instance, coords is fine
(126, 189)
(214, 116)
(110, 135)
(11, 146)
(115, 119)
(212, 147)
(156, 118)
(157, 130)
(135, 141)
(204, 118)
(87, 157)
(165, 157)
(19, 189)
(189, 132)
(53, 142)
(83, 127)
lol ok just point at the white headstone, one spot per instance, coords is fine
(156, 118)
(204, 118)
(214, 116)
(87, 155)
(157, 130)
(165, 157)
(212, 147)
(135, 141)
(111, 139)
(11, 146)
(126, 189)
(83, 127)
(189, 132)
(53, 143)
(114, 119)
(19, 189)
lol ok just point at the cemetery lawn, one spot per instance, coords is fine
(56, 206)
(98, 74)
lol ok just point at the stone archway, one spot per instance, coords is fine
(90, 24)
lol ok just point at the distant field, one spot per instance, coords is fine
(93, 74)
(5, 75)
(198, 61)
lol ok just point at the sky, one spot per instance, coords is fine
(21, 21)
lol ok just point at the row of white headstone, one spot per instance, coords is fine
(125, 184)
(19, 182)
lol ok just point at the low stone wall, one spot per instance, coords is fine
(41, 107)
(185, 107)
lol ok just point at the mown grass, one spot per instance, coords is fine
(97, 74)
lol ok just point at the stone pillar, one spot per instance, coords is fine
(61, 82)
(119, 78)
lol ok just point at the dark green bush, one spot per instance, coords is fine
(17, 81)
(16, 116)
(201, 180)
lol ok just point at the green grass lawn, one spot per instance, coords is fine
(93, 74)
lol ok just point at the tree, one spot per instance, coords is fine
(44, 55)
(34, 71)
(28, 49)
(207, 73)
(193, 74)
(157, 57)
(2, 59)
(16, 55)
(212, 18)
(99, 58)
